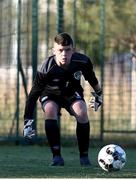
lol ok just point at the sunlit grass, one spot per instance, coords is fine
(34, 162)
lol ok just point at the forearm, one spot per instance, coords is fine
(34, 94)
(30, 106)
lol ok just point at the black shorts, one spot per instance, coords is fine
(62, 101)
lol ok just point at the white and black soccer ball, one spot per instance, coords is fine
(112, 158)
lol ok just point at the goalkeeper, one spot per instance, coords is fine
(57, 85)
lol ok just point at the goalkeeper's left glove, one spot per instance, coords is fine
(28, 130)
(96, 101)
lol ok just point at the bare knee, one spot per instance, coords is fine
(51, 110)
(80, 111)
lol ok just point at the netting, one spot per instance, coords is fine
(81, 19)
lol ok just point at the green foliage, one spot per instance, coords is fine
(120, 26)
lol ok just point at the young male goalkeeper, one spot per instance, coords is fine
(57, 85)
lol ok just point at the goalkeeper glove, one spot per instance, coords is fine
(96, 101)
(28, 130)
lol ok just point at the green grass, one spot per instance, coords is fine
(33, 162)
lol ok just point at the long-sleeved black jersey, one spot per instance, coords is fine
(52, 79)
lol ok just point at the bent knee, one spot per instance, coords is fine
(80, 111)
(51, 109)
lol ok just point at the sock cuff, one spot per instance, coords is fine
(82, 124)
(51, 121)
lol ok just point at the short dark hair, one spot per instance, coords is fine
(64, 39)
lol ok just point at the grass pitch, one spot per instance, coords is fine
(34, 162)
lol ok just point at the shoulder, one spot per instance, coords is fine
(46, 65)
(80, 58)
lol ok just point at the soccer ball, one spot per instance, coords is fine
(112, 158)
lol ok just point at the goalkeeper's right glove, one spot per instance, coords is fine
(28, 130)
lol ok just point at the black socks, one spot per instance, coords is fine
(83, 132)
(53, 136)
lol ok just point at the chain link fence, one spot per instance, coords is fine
(26, 33)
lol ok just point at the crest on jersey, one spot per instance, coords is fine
(77, 75)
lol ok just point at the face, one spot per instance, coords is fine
(63, 54)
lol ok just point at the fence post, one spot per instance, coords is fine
(60, 22)
(47, 28)
(102, 57)
(74, 22)
(18, 68)
(34, 46)
(133, 92)
(60, 18)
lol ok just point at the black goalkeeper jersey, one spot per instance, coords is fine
(52, 79)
